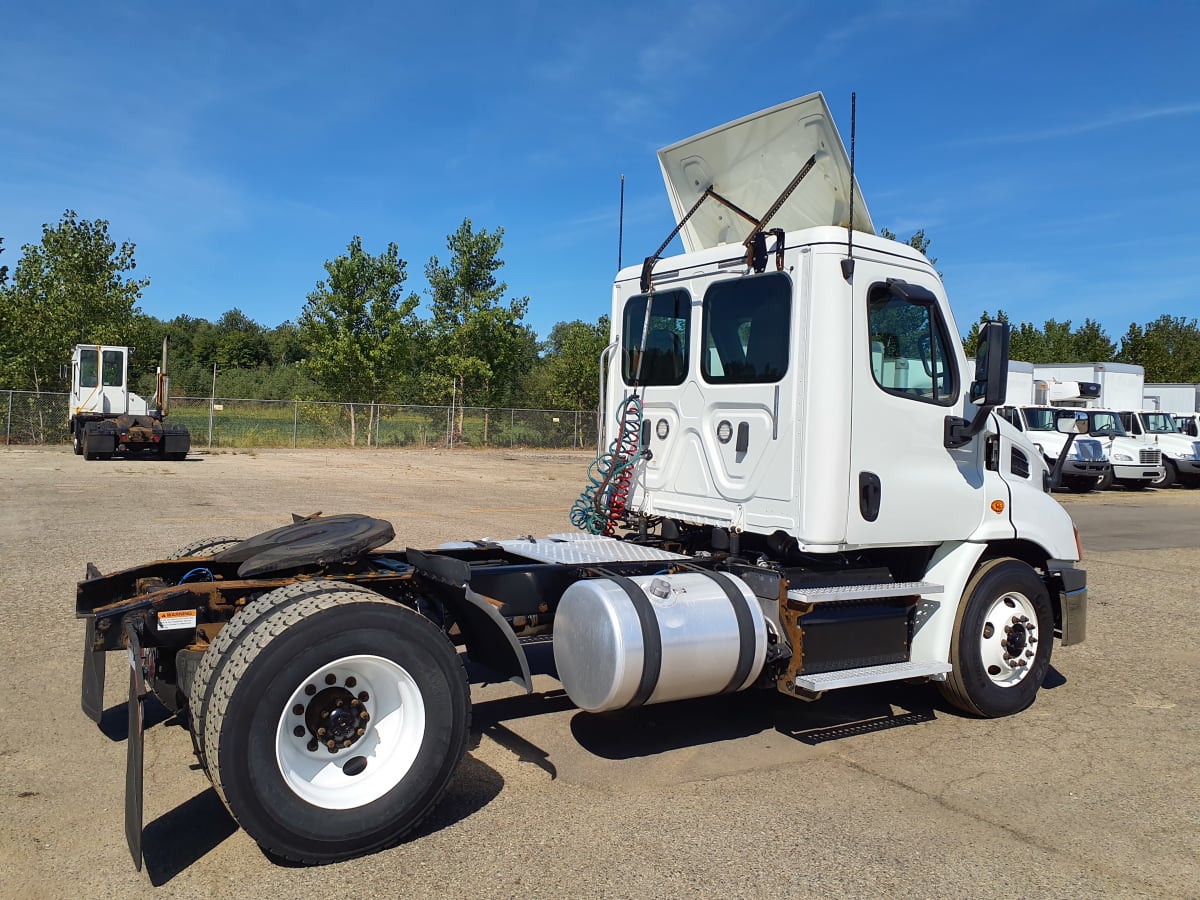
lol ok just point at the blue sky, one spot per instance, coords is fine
(1051, 150)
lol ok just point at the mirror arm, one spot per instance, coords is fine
(958, 431)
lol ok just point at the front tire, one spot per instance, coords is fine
(376, 679)
(76, 442)
(1170, 475)
(1002, 640)
(1106, 481)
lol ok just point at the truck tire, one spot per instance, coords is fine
(1133, 485)
(336, 725)
(76, 441)
(206, 548)
(1003, 635)
(1105, 481)
(221, 649)
(1079, 484)
(1170, 475)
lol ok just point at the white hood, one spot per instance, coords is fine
(750, 162)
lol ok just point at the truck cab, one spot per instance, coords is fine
(1086, 463)
(1180, 452)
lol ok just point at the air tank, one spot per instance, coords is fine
(622, 642)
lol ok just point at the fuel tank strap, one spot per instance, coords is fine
(745, 624)
(651, 638)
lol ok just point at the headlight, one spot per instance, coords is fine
(1122, 457)
(1179, 454)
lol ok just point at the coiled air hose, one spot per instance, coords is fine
(602, 504)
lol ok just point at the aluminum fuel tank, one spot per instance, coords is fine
(621, 642)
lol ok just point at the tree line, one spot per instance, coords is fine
(359, 337)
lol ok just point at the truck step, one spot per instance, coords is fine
(843, 592)
(830, 681)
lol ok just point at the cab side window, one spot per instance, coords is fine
(909, 348)
(666, 356)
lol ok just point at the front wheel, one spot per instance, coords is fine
(1106, 480)
(1002, 639)
(336, 725)
(1169, 477)
(76, 442)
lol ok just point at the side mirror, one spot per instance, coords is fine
(990, 386)
(1072, 423)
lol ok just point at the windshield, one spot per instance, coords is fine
(1105, 424)
(1159, 423)
(1040, 419)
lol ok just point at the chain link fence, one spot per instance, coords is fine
(41, 418)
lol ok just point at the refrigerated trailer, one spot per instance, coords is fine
(806, 489)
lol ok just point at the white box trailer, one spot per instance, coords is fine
(1120, 383)
(1172, 398)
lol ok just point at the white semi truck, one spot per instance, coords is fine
(780, 508)
(1085, 465)
(1105, 390)
(1183, 399)
(107, 418)
(1180, 451)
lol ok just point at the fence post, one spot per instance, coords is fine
(512, 426)
(575, 446)
(295, 423)
(8, 428)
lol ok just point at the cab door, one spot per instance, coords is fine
(100, 377)
(906, 486)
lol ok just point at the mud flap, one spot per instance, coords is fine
(134, 747)
(92, 699)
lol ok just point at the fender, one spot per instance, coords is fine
(490, 640)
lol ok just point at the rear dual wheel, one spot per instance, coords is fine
(330, 720)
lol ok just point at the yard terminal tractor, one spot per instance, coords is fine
(806, 489)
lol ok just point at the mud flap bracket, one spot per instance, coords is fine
(92, 697)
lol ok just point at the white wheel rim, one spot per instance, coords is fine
(1008, 639)
(375, 761)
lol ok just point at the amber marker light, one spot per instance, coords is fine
(997, 506)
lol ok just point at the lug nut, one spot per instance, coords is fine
(310, 689)
(331, 678)
(346, 743)
(341, 703)
(363, 715)
(1024, 618)
(355, 702)
(1029, 654)
(332, 745)
(298, 731)
(325, 715)
(362, 695)
(351, 681)
(320, 732)
(312, 746)
(361, 732)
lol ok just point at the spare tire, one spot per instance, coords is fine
(318, 541)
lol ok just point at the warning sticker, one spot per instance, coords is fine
(172, 619)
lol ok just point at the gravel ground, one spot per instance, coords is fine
(1095, 790)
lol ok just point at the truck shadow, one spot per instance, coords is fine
(178, 839)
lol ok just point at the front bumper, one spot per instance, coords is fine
(1070, 583)
(1136, 472)
(1086, 468)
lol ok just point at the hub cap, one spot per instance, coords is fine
(350, 732)
(1008, 641)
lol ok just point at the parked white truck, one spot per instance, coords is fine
(1180, 451)
(107, 418)
(1105, 390)
(1173, 398)
(1085, 465)
(779, 508)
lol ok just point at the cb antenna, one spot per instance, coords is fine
(848, 262)
(621, 223)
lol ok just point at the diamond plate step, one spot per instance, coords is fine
(830, 681)
(862, 591)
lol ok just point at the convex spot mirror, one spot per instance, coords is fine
(1071, 423)
(991, 365)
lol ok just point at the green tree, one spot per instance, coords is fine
(479, 346)
(916, 240)
(570, 364)
(357, 330)
(1167, 348)
(71, 288)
